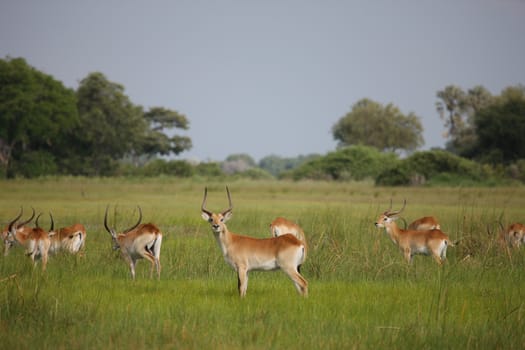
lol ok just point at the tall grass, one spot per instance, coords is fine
(362, 293)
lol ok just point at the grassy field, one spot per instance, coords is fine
(362, 293)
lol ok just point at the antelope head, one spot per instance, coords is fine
(9, 233)
(113, 232)
(389, 216)
(217, 221)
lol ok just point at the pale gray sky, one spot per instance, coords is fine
(272, 77)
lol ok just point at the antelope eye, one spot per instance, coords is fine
(210, 220)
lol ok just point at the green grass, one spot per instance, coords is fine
(362, 293)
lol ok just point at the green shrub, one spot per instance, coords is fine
(516, 170)
(429, 166)
(211, 169)
(35, 163)
(256, 174)
(396, 176)
(157, 167)
(350, 163)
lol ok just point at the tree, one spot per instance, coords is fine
(457, 109)
(35, 112)
(237, 163)
(450, 109)
(110, 127)
(501, 126)
(277, 165)
(349, 163)
(155, 140)
(383, 127)
(436, 165)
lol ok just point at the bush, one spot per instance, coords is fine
(350, 163)
(428, 166)
(256, 174)
(157, 167)
(396, 176)
(516, 170)
(208, 169)
(35, 164)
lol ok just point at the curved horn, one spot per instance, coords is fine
(52, 227)
(106, 222)
(36, 221)
(138, 222)
(204, 202)
(400, 210)
(229, 201)
(28, 220)
(387, 212)
(11, 223)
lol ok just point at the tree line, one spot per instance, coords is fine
(46, 128)
(96, 130)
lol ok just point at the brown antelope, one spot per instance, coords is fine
(280, 226)
(424, 224)
(70, 239)
(411, 242)
(20, 227)
(36, 241)
(141, 241)
(245, 253)
(514, 235)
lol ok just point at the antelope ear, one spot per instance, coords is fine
(205, 216)
(227, 216)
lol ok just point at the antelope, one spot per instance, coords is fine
(244, 253)
(280, 226)
(411, 242)
(141, 241)
(514, 235)
(424, 224)
(35, 240)
(70, 239)
(20, 227)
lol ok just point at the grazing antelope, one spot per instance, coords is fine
(245, 253)
(141, 241)
(411, 242)
(20, 227)
(35, 240)
(514, 235)
(70, 239)
(280, 226)
(424, 224)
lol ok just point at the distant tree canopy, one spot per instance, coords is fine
(111, 127)
(46, 128)
(432, 166)
(457, 109)
(237, 163)
(349, 163)
(481, 126)
(501, 128)
(36, 111)
(155, 139)
(277, 165)
(383, 127)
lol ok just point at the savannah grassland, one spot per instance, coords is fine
(362, 293)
